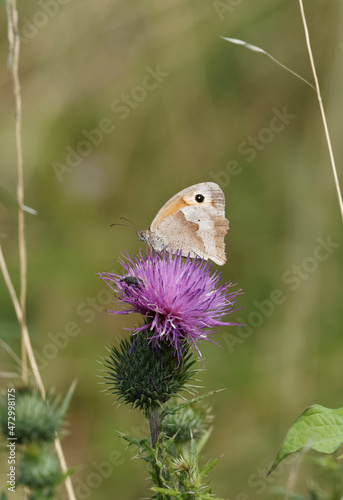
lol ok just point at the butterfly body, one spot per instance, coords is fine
(192, 221)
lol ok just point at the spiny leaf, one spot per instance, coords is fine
(193, 456)
(170, 410)
(166, 491)
(205, 469)
(204, 438)
(67, 398)
(318, 428)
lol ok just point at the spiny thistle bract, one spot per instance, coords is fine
(145, 377)
(36, 419)
(40, 471)
(186, 423)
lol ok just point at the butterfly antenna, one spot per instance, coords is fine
(130, 221)
(131, 224)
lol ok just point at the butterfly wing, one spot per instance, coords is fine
(193, 221)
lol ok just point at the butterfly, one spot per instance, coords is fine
(193, 221)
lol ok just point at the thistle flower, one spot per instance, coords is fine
(180, 299)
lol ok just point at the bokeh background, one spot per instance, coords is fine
(83, 67)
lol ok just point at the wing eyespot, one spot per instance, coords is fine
(199, 198)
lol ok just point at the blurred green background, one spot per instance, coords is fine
(177, 105)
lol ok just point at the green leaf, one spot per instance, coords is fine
(170, 410)
(140, 443)
(205, 469)
(193, 456)
(67, 398)
(318, 428)
(203, 439)
(166, 491)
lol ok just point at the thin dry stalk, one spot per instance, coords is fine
(21, 320)
(20, 306)
(10, 351)
(14, 52)
(327, 135)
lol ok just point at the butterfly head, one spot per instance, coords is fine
(143, 235)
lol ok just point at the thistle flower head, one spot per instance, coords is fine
(40, 471)
(37, 420)
(187, 422)
(180, 299)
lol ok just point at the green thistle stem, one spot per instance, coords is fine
(155, 427)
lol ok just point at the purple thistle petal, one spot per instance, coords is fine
(180, 299)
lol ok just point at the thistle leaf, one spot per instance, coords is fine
(205, 469)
